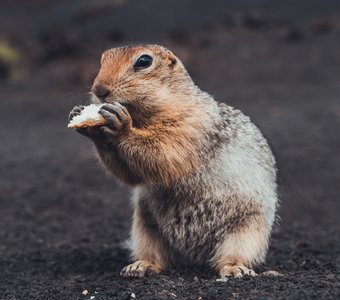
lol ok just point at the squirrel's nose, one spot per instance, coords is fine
(100, 91)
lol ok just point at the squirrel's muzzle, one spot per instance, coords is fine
(100, 91)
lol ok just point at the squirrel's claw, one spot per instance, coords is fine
(75, 112)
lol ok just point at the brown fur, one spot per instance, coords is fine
(111, 161)
(158, 130)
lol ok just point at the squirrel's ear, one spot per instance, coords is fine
(170, 59)
(103, 57)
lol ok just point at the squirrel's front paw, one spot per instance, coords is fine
(119, 119)
(76, 111)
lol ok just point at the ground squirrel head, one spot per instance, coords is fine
(139, 75)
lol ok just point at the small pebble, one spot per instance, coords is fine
(133, 295)
(271, 273)
(85, 292)
(224, 279)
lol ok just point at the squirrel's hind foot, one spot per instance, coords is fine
(236, 271)
(139, 268)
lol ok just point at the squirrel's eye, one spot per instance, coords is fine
(143, 62)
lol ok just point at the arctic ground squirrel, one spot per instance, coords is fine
(202, 174)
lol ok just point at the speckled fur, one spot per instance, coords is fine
(203, 175)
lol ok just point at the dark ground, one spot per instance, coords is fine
(63, 222)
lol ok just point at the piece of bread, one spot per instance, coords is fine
(89, 117)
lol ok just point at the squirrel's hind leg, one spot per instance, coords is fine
(147, 248)
(242, 249)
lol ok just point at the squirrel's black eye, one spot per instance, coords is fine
(143, 62)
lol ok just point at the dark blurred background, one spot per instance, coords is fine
(63, 222)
